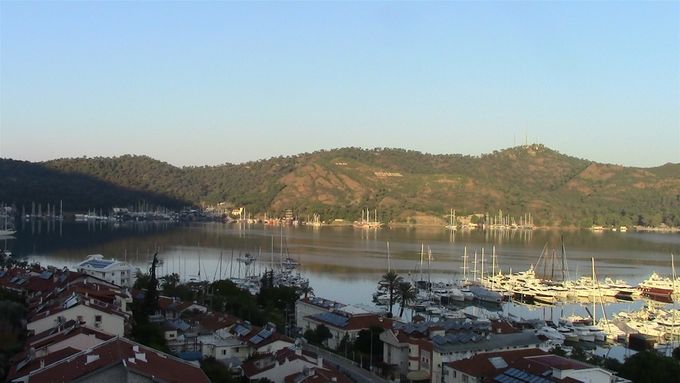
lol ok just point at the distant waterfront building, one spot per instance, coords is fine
(111, 270)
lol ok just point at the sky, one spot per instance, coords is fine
(204, 83)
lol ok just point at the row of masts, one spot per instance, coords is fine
(499, 221)
(366, 221)
(37, 211)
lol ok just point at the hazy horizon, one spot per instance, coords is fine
(206, 83)
(329, 149)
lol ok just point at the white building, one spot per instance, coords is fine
(110, 270)
(419, 351)
(90, 312)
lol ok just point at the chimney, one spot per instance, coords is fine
(319, 361)
(42, 363)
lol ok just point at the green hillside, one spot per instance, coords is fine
(403, 185)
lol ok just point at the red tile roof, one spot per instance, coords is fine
(480, 366)
(318, 375)
(71, 332)
(560, 363)
(357, 322)
(216, 321)
(264, 362)
(35, 363)
(503, 327)
(132, 356)
(57, 305)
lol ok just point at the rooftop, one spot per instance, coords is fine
(488, 364)
(126, 353)
(351, 322)
(560, 363)
(323, 303)
(462, 342)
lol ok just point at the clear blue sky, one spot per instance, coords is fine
(196, 83)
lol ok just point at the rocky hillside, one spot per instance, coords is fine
(402, 185)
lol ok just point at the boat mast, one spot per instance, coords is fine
(465, 257)
(429, 268)
(474, 272)
(595, 287)
(482, 278)
(493, 267)
(564, 267)
(422, 254)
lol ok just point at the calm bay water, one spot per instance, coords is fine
(343, 263)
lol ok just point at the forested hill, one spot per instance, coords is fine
(404, 186)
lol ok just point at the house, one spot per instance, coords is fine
(314, 305)
(342, 324)
(341, 319)
(191, 334)
(36, 281)
(523, 365)
(117, 272)
(88, 311)
(318, 375)
(238, 341)
(292, 365)
(115, 360)
(418, 351)
(88, 288)
(53, 345)
(485, 365)
(172, 308)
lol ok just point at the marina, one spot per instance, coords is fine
(455, 273)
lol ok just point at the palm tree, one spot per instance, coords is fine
(391, 280)
(406, 294)
(306, 290)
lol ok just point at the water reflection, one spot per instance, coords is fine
(341, 262)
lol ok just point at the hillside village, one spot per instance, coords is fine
(78, 326)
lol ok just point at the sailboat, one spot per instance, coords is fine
(366, 222)
(6, 232)
(452, 223)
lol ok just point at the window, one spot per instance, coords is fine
(236, 349)
(224, 352)
(97, 318)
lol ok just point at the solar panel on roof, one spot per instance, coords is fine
(498, 362)
(256, 339)
(2, 274)
(98, 264)
(241, 330)
(13, 279)
(265, 334)
(46, 275)
(333, 319)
